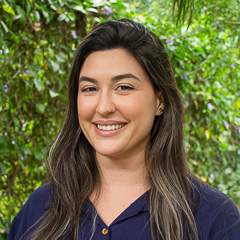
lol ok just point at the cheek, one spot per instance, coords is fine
(84, 117)
(129, 108)
(85, 108)
(143, 104)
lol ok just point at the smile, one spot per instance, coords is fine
(109, 127)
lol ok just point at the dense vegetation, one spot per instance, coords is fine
(37, 43)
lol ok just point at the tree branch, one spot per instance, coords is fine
(234, 23)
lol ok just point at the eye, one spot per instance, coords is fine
(124, 88)
(89, 89)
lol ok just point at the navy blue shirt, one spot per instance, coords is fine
(216, 216)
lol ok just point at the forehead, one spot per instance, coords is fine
(111, 62)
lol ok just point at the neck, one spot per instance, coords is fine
(123, 174)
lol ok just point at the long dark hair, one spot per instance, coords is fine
(72, 165)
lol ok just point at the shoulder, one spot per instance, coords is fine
(209, 195)
(40, 195)
(217, 216)
(38, 200)
(207, 198)
(31, 212)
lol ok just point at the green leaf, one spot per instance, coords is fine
(21, 12)
(60, 57)
(61, 17)
(8, 9)
(1, 37)
(54, 65)
(3, 168)
(92, 10)
(228, 170)
(43, 42)
(4, 26)
(37, 153)
(16, 39)
(97, 3)
(16, 122)
(63, 97)
(38, 84)
(28, 7)
(46, 15)
(5, 151)
(40, 107)
(183, 7)
(79, 8)
(37, 16)
(4, 117)
(53, 7)
(53, 94)
(2, 140)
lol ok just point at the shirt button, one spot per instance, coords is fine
(104, 231)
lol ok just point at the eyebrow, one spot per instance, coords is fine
(113, 79)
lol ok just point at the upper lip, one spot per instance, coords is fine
(110, 122)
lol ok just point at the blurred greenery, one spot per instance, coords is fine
(37, 43)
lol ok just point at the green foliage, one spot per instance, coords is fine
(205, 58)
(37, 42)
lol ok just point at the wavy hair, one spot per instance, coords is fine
(72, 164)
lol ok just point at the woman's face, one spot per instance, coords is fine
(116, 104)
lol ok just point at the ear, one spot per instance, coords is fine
(160, 103)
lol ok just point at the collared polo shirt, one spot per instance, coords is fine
(133, 223)
(216, 216)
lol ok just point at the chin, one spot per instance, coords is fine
(109, 153)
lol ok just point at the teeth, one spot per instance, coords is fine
(109, 127)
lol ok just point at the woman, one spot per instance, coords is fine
(118, 167)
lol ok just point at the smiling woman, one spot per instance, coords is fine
(118, 168)
(115, 92)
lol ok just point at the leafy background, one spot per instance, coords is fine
(37, 42)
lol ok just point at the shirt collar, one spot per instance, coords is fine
(139, 205)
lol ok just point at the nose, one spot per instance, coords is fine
(105, 104)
